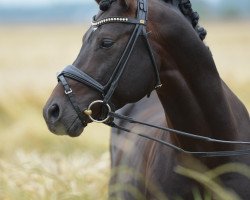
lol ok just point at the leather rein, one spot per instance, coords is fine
(108, 89)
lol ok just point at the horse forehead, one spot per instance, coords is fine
(87, 36)
(117, 8)
(90, 32)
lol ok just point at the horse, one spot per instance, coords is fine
(133, 54)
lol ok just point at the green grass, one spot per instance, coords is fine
(36, 164)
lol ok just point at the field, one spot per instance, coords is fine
(35, 164)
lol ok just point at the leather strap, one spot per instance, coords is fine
(74, 73)
(72, 99)
(182, 133)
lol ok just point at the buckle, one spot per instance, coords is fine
(68, 92)
(142, 21)
(158, 86)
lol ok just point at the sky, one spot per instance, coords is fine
(214, 1)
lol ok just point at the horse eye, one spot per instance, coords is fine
(106, 43)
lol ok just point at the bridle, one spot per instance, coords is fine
(108, 89)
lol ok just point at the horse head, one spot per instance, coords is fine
(118, 63)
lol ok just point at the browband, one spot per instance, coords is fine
(118, 20)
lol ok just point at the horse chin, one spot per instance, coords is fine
(75, 130)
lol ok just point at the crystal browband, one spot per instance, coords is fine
(118, 20)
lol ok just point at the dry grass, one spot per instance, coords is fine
(230, 45)
(54, 176)
(35, 164)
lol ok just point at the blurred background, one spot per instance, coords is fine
(37, 39)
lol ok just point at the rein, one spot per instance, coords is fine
(107, 90)
(181, 133)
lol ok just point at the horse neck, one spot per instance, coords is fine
(193, 95)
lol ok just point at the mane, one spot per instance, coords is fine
(192, 16)
(184, 6)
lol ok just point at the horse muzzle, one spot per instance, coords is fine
(61, 123)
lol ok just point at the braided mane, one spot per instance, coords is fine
(184, 6)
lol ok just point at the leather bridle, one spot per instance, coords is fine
(108, 89)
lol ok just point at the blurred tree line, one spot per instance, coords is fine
(223, 8)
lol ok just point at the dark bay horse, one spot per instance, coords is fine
(193, 96)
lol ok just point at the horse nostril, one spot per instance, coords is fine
(53, 112)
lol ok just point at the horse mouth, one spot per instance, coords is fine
(76, 128)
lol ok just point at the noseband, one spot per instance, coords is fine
(108, 90)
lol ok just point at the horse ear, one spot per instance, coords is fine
(105, 4)
(97, 1)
